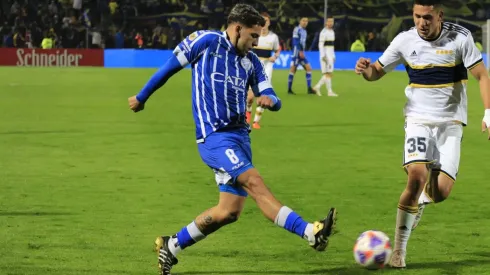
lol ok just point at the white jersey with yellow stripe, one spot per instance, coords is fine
(266, 45)
(437, 71)
(326, 43)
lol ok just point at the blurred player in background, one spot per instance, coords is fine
(298, 58)
(268, 51)
(438, 56)
(222, 70)
(327, 56)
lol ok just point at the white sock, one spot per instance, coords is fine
(258, 114)
(173, 246)
(249, 108)
(320, 83)
(424, 199)
(309, 236)
(282, 215)
(328, 83)
(404, 222)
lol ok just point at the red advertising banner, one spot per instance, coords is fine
(24, 57)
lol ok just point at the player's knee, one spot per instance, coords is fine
(417, 177)
(255, 185)
(230, 216)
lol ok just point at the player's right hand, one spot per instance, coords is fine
(301, 55)
(485, 124)
(265, 102)
(135, 105)
(362, 64)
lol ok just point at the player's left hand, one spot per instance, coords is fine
(272, 59)
(135, 105)
(301, 55)
(485, 124)
(265, 102)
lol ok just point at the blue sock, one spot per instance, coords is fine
(186, 237)
(292, 222)
(290, 81)
(308, 79)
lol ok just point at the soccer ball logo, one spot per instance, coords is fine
(373, 249)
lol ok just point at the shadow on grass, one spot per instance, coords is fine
(448, 267)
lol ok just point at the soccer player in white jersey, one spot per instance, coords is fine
(327, 57)
(437, 56)
(268, 50)
(223, 67)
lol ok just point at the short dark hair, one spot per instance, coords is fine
(246, 15)
(428, 2)
(265, 14)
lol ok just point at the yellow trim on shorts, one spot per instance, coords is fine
(405, 165)
(447, 175)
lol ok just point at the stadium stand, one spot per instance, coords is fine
(161, 24)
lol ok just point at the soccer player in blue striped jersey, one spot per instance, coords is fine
(222, 69)
(298, 58)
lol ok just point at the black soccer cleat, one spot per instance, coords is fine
(323, 230)
(312, 91)
(166, 260)
(290, 92)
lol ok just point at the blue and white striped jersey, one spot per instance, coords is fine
(299, 39)
(220, 81)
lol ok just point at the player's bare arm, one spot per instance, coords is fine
(370, 71)
(480, 73)
(276, 55)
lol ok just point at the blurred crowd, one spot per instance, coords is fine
(162, 24)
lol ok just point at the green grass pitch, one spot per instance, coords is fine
(86, 185)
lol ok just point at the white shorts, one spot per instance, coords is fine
(327, 67)
(437, 143)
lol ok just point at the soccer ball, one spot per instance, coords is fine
(373, 249)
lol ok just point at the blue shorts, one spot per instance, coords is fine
(229, 155)
(296, 60)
